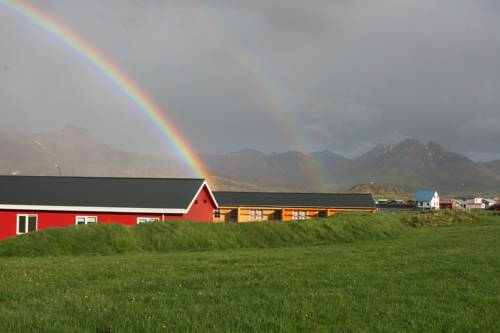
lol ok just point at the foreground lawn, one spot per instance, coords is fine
(426, 279)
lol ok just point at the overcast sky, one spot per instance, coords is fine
(341, 75)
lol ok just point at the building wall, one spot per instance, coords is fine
(435, 201)
(268, 214)
(200, 211)
(243, 214)
(472, 205)
(227, 214)
(453, 205)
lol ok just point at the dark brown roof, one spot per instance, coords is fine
(98, 191)
(282, 199)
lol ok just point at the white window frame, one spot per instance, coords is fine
(147, 220)
(217, 213)
(256, 214)
(27, 216)
(299, 215)
(86, 219)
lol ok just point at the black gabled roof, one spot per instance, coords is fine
(404, 205)
(282, 199)
(167, 193)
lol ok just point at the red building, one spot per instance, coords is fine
(451, 204)
(29, 203)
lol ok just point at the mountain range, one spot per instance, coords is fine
(408, 165)
(74, 152)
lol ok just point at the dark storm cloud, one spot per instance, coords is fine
(229, 73)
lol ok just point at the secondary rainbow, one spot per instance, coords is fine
(268, 89)
(170, 134)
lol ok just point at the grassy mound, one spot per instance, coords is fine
(168, 236)
(441, 218)
(172, 236)
(83, 239)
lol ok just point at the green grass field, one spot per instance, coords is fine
(376, 276)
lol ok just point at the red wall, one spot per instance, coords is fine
(200, 211)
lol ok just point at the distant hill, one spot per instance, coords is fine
(380, 191)
(72, 151)
(412, 164)
(409, 165)
(291, 170)
(493, 166)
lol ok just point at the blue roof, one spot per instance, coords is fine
(424, 195)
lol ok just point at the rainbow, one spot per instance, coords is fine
(170, 134)
(268, 89)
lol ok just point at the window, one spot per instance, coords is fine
(216, 213)
(147, 220)
(256, 214)
(299, 215)
(26, 223)
(86, 219)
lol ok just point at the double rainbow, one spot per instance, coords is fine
(170, 134)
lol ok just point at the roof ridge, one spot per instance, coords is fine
(271, 192)
(100, 177)
(117, 192)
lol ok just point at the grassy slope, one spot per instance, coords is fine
(181, 236)
(427, 279)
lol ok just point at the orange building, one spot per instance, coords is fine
(268, 206)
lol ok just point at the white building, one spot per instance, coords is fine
(427, 200)
(475, 203)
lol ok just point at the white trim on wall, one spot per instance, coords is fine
(147, 219)
(198, 193)
(86, 219)
(27, 216)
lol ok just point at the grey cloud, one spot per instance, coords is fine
(230, 74)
